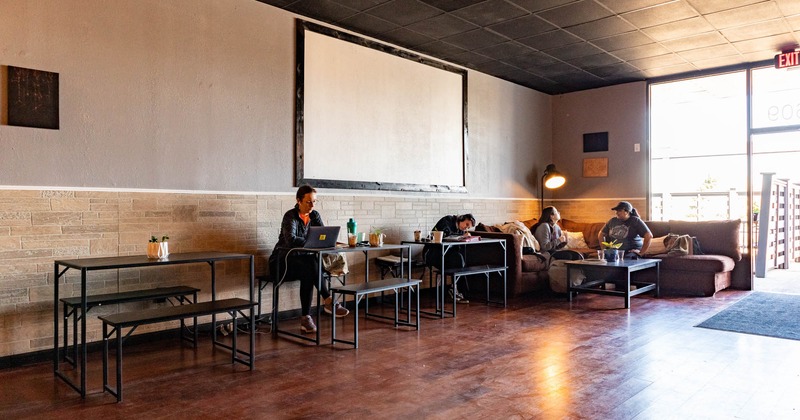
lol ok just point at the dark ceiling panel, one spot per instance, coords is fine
(642, 51)
(710, 6)
(360, 5)
(403, 12)
(522, 27)
(592, 61)
(601, 28)
(531, 60)
(756, 30)
(442, 26)
(626, 40)
(745, 15)
(622, 6)
(441, 49)
(403, 36)
(534, 6)
(678, 29)
(490, 12)
(475, 40)
(661, 14)
(505, 50)
(558, 46)
(572, 51)
(368, 24)
(324, 10)
(763, 44)
(709, 52)
(450, 5)
(552, 39)
(665, 60)
(695, 41)
(575, 13)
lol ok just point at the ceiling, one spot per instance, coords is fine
(561, 46)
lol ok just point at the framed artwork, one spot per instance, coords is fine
(32, 98)
(595, 167)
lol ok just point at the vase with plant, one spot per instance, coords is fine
(156, 249)
(376, 236)
(611, 250)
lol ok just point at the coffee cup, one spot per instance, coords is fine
(417, 235)
(352, 239)
(438, 235)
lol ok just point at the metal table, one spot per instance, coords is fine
(622, 268)
(366, 250)
(452, 246)
(85, 265)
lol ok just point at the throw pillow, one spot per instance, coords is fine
(657, 246)
(575, 240)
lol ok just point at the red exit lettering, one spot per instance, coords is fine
(788, 59)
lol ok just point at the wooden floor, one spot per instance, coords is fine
(541, 357)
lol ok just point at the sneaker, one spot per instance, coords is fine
(307, 324)
(459, 297)
(341, 311)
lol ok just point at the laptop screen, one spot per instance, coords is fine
(322, 236)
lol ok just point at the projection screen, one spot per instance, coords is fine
(370, 116)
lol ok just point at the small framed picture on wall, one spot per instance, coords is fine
(595, 167)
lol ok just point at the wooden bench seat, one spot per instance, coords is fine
(133, 319)
(72, 306)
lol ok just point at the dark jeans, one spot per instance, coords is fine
(303, 268)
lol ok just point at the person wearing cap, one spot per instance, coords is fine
(629, 229)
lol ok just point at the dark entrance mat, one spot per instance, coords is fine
(769, 314)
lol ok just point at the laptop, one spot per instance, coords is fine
(322, 237)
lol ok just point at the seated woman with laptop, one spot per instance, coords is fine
(302, 265)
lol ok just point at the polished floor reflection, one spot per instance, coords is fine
(539, 358)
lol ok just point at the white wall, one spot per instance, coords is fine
(198, 95)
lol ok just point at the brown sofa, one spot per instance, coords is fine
(526, 273)
(721, 265)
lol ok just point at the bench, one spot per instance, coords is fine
(150, 316)
(456, 274)
(72, 306)
(358, 291)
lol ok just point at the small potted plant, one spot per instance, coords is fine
(611, 249)
(156, 249)
(376, 236)
(152, 247)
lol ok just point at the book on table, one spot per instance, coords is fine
(461, 238)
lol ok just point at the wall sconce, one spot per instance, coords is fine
(551, 179)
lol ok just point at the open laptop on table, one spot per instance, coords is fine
(320, 237)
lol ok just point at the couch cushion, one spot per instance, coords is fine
(701, 263)
(590, 231)
(532, 263)
(719, 237)
(658, 228)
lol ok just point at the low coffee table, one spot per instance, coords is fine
(616, 272)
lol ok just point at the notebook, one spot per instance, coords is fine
(321, 237)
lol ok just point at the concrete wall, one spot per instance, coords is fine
(177, 118)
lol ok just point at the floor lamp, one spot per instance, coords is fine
(550, 180)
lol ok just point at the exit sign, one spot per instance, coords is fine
(787, 59)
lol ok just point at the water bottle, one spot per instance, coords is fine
(352, 226)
